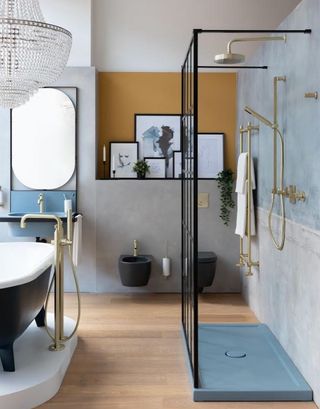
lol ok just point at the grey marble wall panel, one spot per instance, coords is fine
(284, 292)
(299, 118)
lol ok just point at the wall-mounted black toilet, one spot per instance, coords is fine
(207, 262)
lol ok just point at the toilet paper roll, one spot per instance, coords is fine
(166, 267)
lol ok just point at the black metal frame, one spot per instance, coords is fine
(189, 193)
(189, 187)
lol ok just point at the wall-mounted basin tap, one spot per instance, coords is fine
(135, 248)
(41, 203)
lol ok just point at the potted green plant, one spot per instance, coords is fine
(141, 168)
(225, 185)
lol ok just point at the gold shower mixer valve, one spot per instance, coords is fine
(291, 193)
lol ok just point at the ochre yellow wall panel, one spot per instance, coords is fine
(121, 95)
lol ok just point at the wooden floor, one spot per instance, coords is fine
(130, 354)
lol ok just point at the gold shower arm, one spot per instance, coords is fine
(250, 39)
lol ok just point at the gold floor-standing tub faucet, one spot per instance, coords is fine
(59, 242)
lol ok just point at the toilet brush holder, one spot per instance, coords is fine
(166, 267)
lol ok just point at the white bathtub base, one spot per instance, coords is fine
(39, 372)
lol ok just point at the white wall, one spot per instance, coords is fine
(75, 16)
(152, 35)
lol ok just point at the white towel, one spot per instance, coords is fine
(241, 226)
(242, 173)
(242, 199)
(77, 240)
(241, 214)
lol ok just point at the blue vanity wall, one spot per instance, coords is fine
(299, 60)
(27, 201)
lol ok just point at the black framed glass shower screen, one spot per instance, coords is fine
(189, 194)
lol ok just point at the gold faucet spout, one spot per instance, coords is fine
(41, 202)
(23, 222)
(135, 248)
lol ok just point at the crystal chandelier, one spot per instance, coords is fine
(33, 53)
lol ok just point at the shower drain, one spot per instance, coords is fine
(235, 354)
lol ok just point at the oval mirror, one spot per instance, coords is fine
(43, 140)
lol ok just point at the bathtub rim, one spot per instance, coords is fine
(46, 259)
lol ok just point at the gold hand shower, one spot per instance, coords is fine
(275, 191)
(282, 192)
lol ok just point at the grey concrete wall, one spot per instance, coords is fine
(284, 291)
(117, 212)
(85, 80)
(150, 211)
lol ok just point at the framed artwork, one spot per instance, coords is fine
(210, 155)
(187, 134)
(177, 164)
(159, 135)
(157, 167)
(123, 155)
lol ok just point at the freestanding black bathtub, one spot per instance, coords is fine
(24, 281)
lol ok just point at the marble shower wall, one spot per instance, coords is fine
(284, 293)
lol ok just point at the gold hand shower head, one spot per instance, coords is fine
(259, 117)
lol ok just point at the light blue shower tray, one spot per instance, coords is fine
(246, 363)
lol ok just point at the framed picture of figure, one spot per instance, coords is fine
(123, 156)
(158, 135)
(157, 167)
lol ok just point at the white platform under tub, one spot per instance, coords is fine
(39, 372)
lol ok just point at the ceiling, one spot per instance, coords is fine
(153, 35)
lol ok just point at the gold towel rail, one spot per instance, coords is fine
(246, 258)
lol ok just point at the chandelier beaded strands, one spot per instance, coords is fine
(33, 54)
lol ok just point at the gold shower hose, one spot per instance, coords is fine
(74, 273)
(279, 244)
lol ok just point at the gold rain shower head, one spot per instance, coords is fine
(231, 58)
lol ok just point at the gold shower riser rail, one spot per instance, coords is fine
(246, 258)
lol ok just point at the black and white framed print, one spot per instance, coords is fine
(210, 155)
(157, 167)
(177, 164)
(123, 156)
(159, 135)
